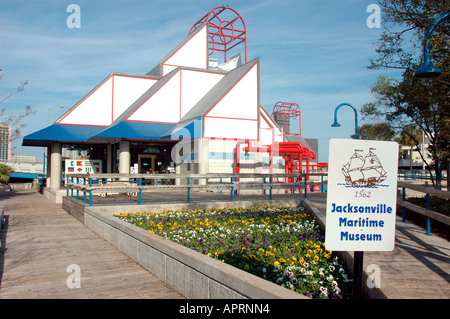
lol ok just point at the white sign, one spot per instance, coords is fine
(83, 166)
(361, 198)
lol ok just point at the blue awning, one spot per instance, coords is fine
(61, 133)
(124, 129)
(25, 175)
(187, 129)
(136, 130)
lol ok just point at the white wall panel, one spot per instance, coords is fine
(230, 128)
(266, 136)
(242, 100)
(163, 105)
(278, 134)
(263, 123)
(193, 53)
(265, 129)
(279, 138)
(194, 85)
(168, 68)
(95, 109)
(127, 90)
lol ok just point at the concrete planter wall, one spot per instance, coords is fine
(192, 274)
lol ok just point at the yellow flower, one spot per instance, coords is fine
(316, 258)
(294, 258)
(276, 263)
(308, 256)
(246, 267)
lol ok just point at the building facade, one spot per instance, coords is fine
(189, 114)
(5, 142)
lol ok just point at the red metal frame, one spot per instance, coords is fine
(226, 30)
(288, 111)
(292, 152)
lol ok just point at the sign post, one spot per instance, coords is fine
(361, 199)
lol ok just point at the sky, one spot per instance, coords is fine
(312, 52)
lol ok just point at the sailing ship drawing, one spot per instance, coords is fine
(364, 171)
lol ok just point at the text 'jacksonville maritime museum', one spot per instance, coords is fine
(197, 111)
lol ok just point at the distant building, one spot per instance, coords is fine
(410, 157)
(5, 142)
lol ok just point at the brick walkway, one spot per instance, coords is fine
(41, 240)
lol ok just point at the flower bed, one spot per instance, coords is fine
(281, 244)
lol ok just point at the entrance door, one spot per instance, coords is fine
(146, 164)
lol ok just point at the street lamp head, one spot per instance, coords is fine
(53, 107)
(427, 70)
(335, 124)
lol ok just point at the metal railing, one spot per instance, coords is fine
(89, 184)
(86, 185)
(419, 175)
(401, 201)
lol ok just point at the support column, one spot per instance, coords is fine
(177, 172)
(47, 169)
(108, 158)
(124, 157)
(202, 150)
(55, 166)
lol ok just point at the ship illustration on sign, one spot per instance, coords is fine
(364, 171)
